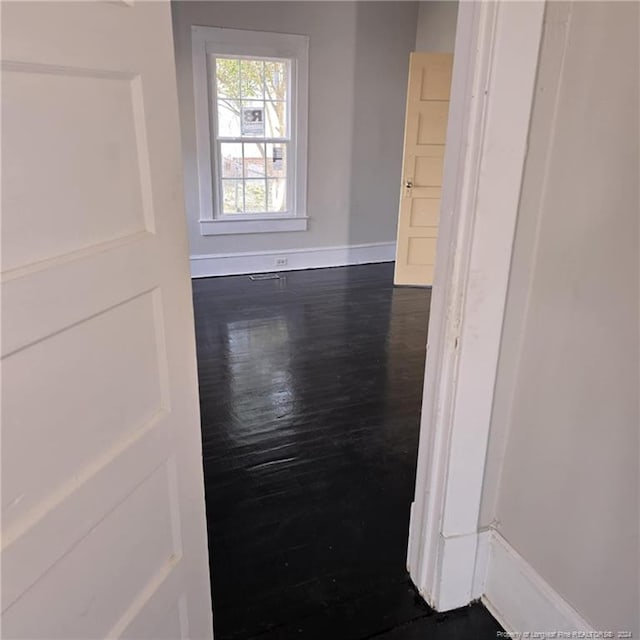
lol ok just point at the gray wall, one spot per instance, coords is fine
(436, 30)
(562, 480)
(359, 59)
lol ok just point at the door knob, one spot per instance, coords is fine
(408, 184)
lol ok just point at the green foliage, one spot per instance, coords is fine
(254, 80)
(233, 74)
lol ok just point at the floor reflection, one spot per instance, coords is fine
(259, 371)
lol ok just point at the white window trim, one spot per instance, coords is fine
(214, 40)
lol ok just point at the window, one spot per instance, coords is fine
(252, 134)
(250, 91)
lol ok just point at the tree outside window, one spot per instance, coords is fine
(252, 133)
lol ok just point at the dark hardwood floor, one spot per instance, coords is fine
(310, 390)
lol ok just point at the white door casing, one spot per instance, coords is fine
(103, 526)
(494, 71)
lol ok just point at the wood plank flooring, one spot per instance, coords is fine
(310, 391)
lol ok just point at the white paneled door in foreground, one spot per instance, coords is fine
(103, 527)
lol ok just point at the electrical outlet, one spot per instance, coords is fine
(281, 262)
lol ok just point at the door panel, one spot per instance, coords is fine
(110, 186)
(427, 172)
(425, 212)
(436, 72)
(432, 122)
(103, 527)
(425, 133)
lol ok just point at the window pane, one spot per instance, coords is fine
(251, 78)
(252, 104)
(253, 119)
(255, 196)
(275, 80)
(228, 78)
(228, 118)
(231, 157)
(232, 196)
(276, 117)
(277, 195)
(277, 160)
(254, 160)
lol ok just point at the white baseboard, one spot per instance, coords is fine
(519, 598)
(203, 266)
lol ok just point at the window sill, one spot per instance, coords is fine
(252, 225)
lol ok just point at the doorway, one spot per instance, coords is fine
(310, 394)
(144, 297)
(254, 414)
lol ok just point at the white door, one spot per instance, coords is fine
(103, 526)
(424, 138)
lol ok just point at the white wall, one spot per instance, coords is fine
(562, 480)
(359, 57)
(436, 30)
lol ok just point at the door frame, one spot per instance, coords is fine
(494, 72)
